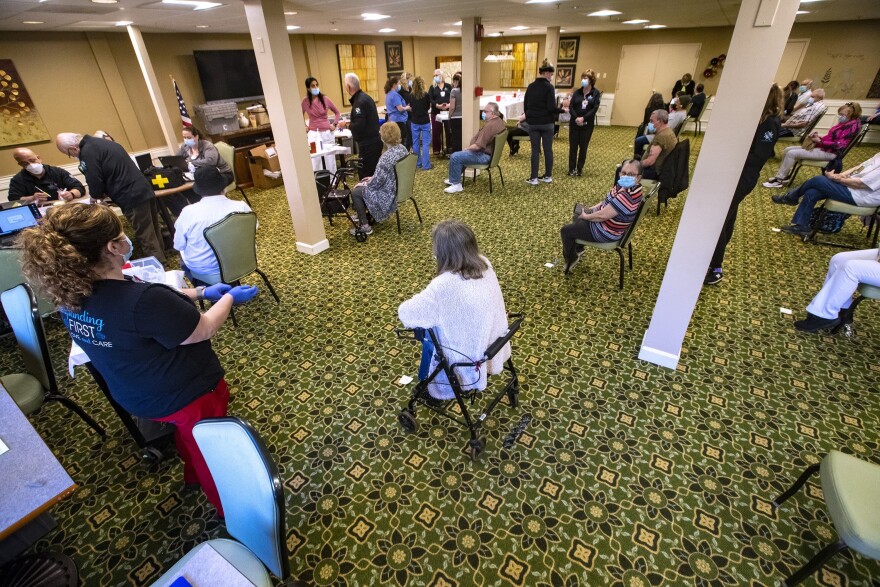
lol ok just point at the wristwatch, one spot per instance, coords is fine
(200, 292)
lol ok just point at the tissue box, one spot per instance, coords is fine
(264, 157)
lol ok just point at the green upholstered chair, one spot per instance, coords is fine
(227, 152)
(405, 172)
(698, 121)
(234, 242)
(32, 389)
(494, 162)
(807, 130)
(11, 275)
(851, 488)
(840, 207)
(624, 242)
(866, 292)
(823, 164)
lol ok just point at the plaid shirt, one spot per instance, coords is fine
(803, 117)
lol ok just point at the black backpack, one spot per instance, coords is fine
(163, 178)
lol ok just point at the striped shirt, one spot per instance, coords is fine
(626, 203)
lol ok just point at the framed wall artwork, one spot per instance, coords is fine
(20, 123)
(521, 70)
(394, 55)
(360, 60)
(565, 76)
(450, 64)
(568, 49)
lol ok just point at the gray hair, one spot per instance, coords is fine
(636, 162)
(494, 108)
(456, 250)
(353, 80)
(67, 140)
(661, 115)
(819, 94)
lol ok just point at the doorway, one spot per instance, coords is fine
(645, 69)
(792, 58)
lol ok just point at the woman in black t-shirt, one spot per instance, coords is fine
(148, 341)
(421, 122)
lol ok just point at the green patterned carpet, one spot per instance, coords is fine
(628, 475)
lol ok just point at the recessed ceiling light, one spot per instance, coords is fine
(196, 4)
(292, 27)
(456, 23)
(636, 21)
(563, 30)
(334, 30)
(374, 16)
(656, 26)
(802, 12)
(123, 23)
(32, 22)
(604, 13)
(808, 1)
(105, 1)
(289, 13)
(494, 35)
(202, 26)
(450, 33)
(519, 28)
(541, 1)
(387, 30)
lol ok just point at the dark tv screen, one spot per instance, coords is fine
(228, 75)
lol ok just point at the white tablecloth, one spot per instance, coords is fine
(511, 107)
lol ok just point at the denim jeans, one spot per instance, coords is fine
(542, 134)
(199, 278)
(421, 135)
(460, 159)
(814, 190)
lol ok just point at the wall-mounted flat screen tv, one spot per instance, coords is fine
(229, 75)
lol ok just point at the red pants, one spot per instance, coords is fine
(195, 470)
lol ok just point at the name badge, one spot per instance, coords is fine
(584, 104)
(442, 94)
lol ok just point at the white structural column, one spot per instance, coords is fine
(169, 129)
(470, 71)
(278, 76)
(759, 38)
(551, 45)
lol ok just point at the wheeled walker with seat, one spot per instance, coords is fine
(463, 397)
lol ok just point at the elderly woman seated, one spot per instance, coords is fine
(378, 193)
(859, 186)
(607, 220)
(826, 148)
(845, 272)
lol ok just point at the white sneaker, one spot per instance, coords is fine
(773, 183)
(454, 188)
(533, 181)
(447, 182)
(546, 179)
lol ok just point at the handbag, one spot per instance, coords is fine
(163, 178)
(831, 223)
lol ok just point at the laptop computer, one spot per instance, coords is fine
(14, 220)
(178, 161)
(144, 161)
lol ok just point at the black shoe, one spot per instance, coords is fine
(570, 265)
(813, 323)
(514, 150)
(578, 173)
(573, 173)
(784, 200)
(713, 276)
(795, 229)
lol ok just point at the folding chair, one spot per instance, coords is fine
(836, 163)
(227, 152)
(405, 173)
(494, 162)
(807, 129)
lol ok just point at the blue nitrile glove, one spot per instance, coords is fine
(214, 292)
(243, 293)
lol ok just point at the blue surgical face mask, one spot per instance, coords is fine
(437, 79)
(399, 87)
(482, 116)
(189, 142)
(626, 181)
(802, 89)
(811, 100)
(127, 256)
(315, 91)
(651, 127)
(410, 83)
(585, 83)
(842, 118)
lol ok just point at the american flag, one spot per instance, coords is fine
(184, 115)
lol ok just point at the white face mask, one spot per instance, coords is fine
(35, 168)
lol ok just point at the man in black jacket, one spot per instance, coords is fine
(40, 183)
(110, 172)
(364, 125)
(540, 113)
(583, 107)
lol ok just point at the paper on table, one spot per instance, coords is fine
(207, 567)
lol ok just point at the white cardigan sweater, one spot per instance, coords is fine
(467, 315)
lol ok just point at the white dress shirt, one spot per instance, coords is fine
(189, 231)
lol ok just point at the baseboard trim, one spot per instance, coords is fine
(658, 357)
(314, 249)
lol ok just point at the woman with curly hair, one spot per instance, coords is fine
(148, 341)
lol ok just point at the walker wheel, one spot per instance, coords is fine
(360, 236)
(475, 447)
(408, 421)
(152, 454)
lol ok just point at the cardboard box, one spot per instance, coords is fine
(264, 157)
